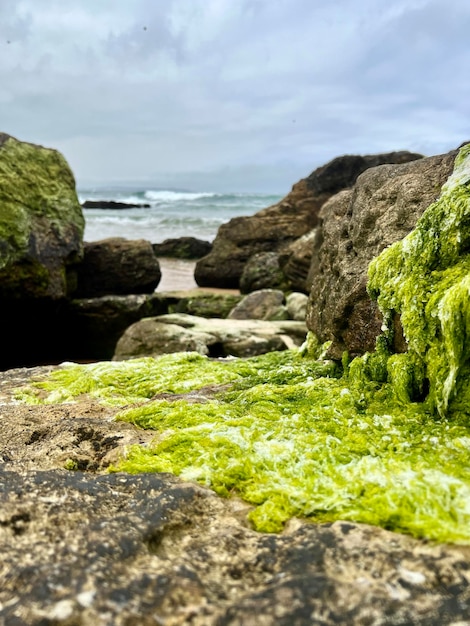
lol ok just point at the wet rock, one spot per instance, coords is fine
(182, 248)
(117, 266)
(262, 271)
(356, 225)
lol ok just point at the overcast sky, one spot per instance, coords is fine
(232, 94)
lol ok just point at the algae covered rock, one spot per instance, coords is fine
(41, 221)
(425, 279)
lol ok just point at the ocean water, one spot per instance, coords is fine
(171, 213)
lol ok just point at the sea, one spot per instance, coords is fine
(171, 213)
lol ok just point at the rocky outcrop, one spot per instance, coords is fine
(112, 204)
(165, 334)
(85, 547)
(273, 228)
(356, 225)
(296, 259)
(117, 266)
(41, 222)
(182, 248)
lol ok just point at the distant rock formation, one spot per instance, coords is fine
(112, 204)
(275, 227)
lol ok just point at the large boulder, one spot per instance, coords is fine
(118, 266)
(41, 222)
(262, 271)
(265, 304)
(182, 248)
(356, 225)
(277, 226)
(165, 334)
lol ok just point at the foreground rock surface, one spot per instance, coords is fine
(115, 549)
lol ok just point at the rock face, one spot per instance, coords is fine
(41, 222)
(272, 229)
(182, 248)
(356, 225)
(165, 334)
(81, 547)
(117, 266)
(112, 204)
(262, 271)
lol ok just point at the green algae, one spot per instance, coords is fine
(425, 278)
(384, 439)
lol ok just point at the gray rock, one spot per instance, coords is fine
(117, 266)
(213, 337)
(262, 271)
(296, 259)
(356, 226)
(265, 304)
(296, 304)
(182, 248)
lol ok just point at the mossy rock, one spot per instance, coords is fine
(41, 221)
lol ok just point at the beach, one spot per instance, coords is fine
(177, 275)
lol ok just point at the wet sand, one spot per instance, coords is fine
(178, 275)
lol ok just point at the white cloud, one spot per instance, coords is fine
(140, 88)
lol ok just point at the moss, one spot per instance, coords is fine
(426, 279)
(295, 435)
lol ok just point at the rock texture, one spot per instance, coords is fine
(265, 304)
(356, 225)
(215, 337)
(83, 548)
(182, 248)
(41, 222)
(273, 228)
(117, 266)
(262, 271)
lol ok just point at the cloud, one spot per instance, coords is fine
(144, 88)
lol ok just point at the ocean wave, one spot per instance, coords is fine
(175, 196)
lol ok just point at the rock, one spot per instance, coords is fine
(215, 337)
(95, 324)
(265, 304)
(262, 271)
(296, 304)
(201, 303)
(273, 228)
(182, 248)
(296, 259)
(117, 266)
(112, 204)
(41, 222)
(356, 226)
(80, 547)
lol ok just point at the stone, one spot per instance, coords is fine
(265, 304)
(96, 324)
(41, 222)
(112, 204)
(182, 248)
(90, 547)
(296, 304)
(262, 271)
(274, 228)
(117, 266)
(295, 261)
(202, 303)
(356, 225)
(181, 332)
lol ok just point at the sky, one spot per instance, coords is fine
(232, 95)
